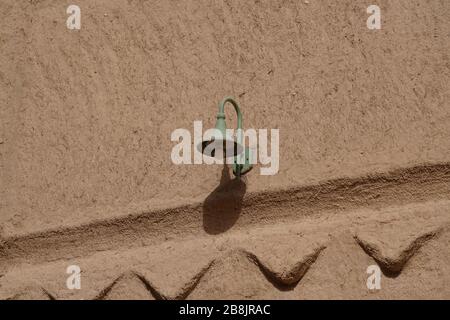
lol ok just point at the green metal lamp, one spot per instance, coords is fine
(237, 150)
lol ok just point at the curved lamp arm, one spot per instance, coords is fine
(236, 108)
(241, 164)
(220, 124)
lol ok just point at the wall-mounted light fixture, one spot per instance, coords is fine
(227, 143)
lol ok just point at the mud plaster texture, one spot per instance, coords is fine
(85, 169)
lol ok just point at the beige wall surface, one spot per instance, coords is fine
(86, 116)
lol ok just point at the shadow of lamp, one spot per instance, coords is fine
(224, 142)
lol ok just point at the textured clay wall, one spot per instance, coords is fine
(86, 116)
